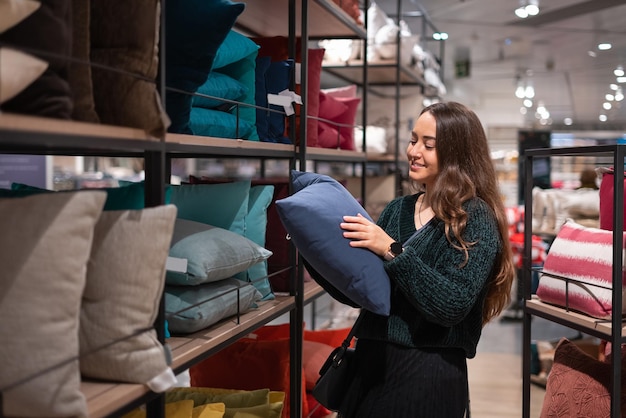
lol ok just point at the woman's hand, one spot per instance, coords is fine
(364, 233)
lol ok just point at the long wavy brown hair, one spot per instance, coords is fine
(467, 171)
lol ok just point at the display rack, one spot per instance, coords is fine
(23, 134)
(611, 330)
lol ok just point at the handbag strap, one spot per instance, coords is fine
(348, 340)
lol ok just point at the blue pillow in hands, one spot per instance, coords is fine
(311, 216)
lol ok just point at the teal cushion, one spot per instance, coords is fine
(127, 197)
(219, 85)
(212, 253)
(259, 200)
(222, 205)
(311, 217)
(211, 122)
(235, 47)
(192, 308)
(195, 31)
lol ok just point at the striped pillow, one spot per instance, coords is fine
(583, 256)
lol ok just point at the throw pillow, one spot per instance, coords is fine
(259, 200)
(44, 248)
(125, 279)
(249, 364)
(219, 124)
(125, 37)
(195, 31)
(192, 308)
(37, 26)
(578, 385)
(607, 199)
(312, 216)
(578, 271)
(222, 205)
(212, 253)
(260, 96)
(219, 85)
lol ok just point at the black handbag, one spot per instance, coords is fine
(336, 374)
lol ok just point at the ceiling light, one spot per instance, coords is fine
(602, 118)
(613, 86)
(527, 8)
(604, 46)
(528, 103)
(621, 79)
(440, 36)
(606, 105)
(567, 121)
(619, 71)
(609, 97)
(619, 96)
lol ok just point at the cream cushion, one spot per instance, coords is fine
(125, 280)
(17, 71)
(44, 247)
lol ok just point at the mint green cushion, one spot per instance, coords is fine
(223, 205)
(215, 123)
(212, 253)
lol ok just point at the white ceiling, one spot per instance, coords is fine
(553, 47)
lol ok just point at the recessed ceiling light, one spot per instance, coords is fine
(567, 121)
(604, 46)
(602, 118)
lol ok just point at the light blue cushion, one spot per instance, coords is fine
(219, 85)
(311, 217)
(211, 122)
(222, 205)
(212, 253)
(259, 200)
(220, 301)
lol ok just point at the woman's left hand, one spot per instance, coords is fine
(364, 233)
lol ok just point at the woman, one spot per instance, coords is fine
(452, 276)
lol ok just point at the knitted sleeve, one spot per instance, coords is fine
(429, 272)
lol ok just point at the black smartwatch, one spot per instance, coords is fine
(394, 250)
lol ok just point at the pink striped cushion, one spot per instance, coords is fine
(586, 255)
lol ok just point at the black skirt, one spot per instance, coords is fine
(399, 382)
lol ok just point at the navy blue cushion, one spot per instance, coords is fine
(195, 31)
(312, 216)
(277, 79)
(260, 96)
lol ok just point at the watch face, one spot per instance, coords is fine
(396, 248)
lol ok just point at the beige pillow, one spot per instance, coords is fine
(125, 279)
(18, 70)
(44, 248)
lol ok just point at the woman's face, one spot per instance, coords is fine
(421, 151)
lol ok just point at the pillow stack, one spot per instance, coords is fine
(338, 109)
(222, 251)
(80, 294)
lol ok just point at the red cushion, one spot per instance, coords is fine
(606, 201)
(330, 107)
(249, 364)
(314, 355)
(578, 384)
(336, 136)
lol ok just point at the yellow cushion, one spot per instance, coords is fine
(210, 410)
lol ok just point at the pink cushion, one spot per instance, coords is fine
(584, 254)
(343, 91)
(330, 107)
(346, 133)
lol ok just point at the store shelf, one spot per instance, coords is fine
(326, 20)
(600, 328)
(189, 349)
(106, 399)
(378, 73)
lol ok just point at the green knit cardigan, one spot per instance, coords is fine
(435, 302)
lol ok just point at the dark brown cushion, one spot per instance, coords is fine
(124, 38)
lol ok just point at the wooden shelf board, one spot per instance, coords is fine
(325, 20)
(378, 73)
(329, 154)
(36, 124)
(104, 399)
(602, 326)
